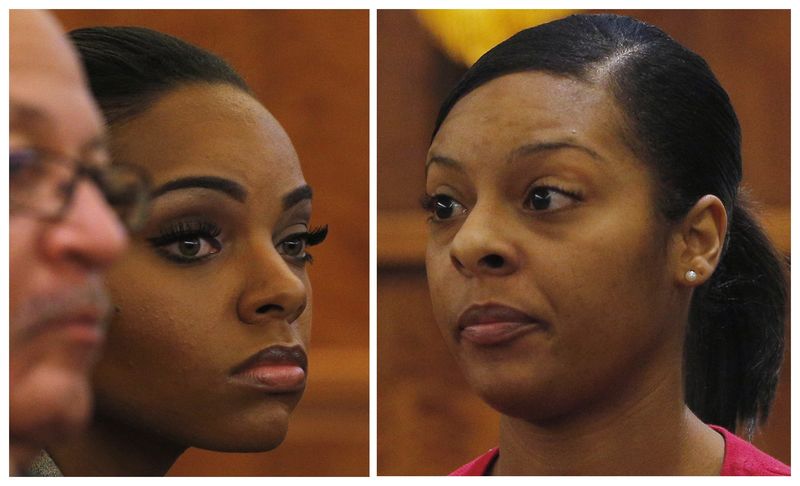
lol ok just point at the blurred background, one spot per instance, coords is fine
(311, 71)
(429, 422)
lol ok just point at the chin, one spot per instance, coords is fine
(530, 398)
(522, 407)
(53, 404)
(270, 437)
(257, 431)
(255, 443)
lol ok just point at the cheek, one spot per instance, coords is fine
(162, 337)
(437, 266)
(608, 282)
(173, 344)
(22, 263)
(156, 325)
(155, 304)
(304, 321)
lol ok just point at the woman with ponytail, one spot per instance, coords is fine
(592, 263)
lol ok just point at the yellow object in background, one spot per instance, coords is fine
(466, 35)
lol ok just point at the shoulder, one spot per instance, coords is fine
(744, 459)
(478, 466)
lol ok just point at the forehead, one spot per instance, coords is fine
(529, 107)
(210, 130)
(47, 91)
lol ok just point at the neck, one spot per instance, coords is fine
(111, 448)
(648, 431)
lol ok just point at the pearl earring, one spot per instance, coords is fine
(691, 275)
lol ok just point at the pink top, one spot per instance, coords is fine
(741, 459)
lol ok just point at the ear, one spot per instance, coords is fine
(699, 240)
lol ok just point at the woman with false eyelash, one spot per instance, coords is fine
(207, 346)
(591, 263)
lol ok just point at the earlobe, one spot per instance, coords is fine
(701, 239)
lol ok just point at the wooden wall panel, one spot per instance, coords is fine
(311, 70)
(429, 422)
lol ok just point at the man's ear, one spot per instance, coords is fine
(699, 240)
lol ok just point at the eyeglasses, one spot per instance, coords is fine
(43, 183)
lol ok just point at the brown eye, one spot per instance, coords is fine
(444, 207)
(189, 247)
(294, 246)
(188, 242)
(544, 198)
(540, 198)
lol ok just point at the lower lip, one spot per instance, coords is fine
(274, 378)
(495, 333)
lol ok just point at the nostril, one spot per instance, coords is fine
(493, 261)
(267, 308)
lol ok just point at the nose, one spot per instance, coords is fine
(90, 234)
(272, 291)
(483, 245)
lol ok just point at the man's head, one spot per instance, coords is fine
(63, 234)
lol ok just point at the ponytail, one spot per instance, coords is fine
(682, 124)
(735, 338)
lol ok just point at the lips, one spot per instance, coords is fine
(85, 327)
(276, 369)
(83, 331)
(495, 324)
(77, 312)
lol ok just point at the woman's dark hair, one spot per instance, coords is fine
(130, 68)
(681, 123)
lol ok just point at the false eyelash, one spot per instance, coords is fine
(313, 237)
(182, 229)
(316, 235)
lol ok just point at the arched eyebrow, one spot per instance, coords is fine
(230, 188)
(296, 195)
(445, 161)
(226, 186)
(521, 151)
(538, 147)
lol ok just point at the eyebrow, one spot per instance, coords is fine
(527, 149)
(442, 160)
(225, 186)
(538, 147)
(26, 114)
(293, 197)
